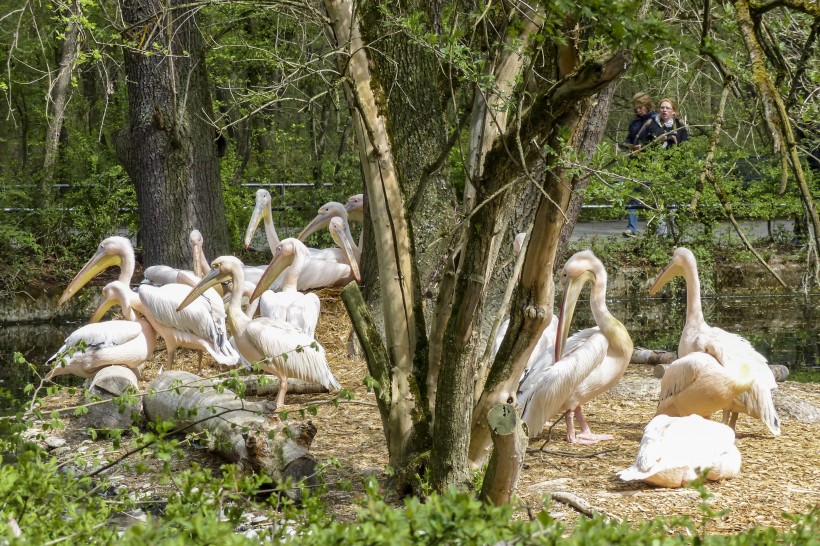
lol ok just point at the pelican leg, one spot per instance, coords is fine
(586, 436)
(283, 388)
(199, 364)
(171, 359)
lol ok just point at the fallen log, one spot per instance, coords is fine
(652, 356)
(239, 431)
(268, 385)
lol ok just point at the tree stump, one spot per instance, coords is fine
(239, 431)
(107, 384)
(507, 459)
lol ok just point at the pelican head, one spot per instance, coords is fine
(113, 293)
(197, 251)
(110, 253)
(261, 210)
(355, 208)
(286, 251)
(222, 270)
(340, 232)
(322, 218)
(682, 260)
(580, 269)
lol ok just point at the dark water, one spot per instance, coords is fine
(785, 330)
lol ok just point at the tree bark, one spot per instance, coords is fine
(58, 96)
(169, 147)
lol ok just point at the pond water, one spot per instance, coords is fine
(786, 330)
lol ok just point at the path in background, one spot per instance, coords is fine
(615, 228)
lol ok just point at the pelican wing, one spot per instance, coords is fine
(758, 403)
(554, 386)
(100, 335)
(290, 352)
(204, 318)
(725, 345)
(682, 373)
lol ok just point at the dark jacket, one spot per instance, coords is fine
(675, 135)
(643, 130)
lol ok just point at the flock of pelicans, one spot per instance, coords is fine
(715, 370)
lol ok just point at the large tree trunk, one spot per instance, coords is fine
(169, 148)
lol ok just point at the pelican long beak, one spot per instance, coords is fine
(571, 293)
(279, 263)
(672, 270)
(102, 309)
(198, 256)
(321, 221)
(214, 277)
(96, 265)
(260, 210)
(343, 240)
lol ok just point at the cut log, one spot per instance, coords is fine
(107, 384)
(507, 459)
(239, 431)
(652, 356)
(255, 385)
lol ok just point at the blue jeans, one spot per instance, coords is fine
(632, 215)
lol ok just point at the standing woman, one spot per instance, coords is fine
(643, 129)
(674, 130)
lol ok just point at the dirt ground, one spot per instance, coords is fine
(778, 474)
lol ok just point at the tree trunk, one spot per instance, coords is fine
(58, 97)
(169, 147)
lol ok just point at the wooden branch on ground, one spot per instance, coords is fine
(582, 506)
(238, 430)
(510, 444)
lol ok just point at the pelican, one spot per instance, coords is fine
(697, 384)
(674, 450)
(277, 346)
(300, 309)
(201, 327)
(159, 275)
(325, 214)
(88, 349)
(730, 350)
(595, 359)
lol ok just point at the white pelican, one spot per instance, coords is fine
(674, 450)
(201, 327)
(697, 384)
(595, 359)
(128, 342)
(298, 308)
(277, 346)
(159, 275)
(325, 214)
(731, 350)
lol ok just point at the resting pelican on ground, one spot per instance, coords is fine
(128, 342)
(730, 350)
(697, 384)
(674, 450)
(595, 358)
(201, 327)
(278, 347)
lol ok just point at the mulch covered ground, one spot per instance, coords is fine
(778, 474)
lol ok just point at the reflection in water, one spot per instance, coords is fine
(784, 329)
(36, 343)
